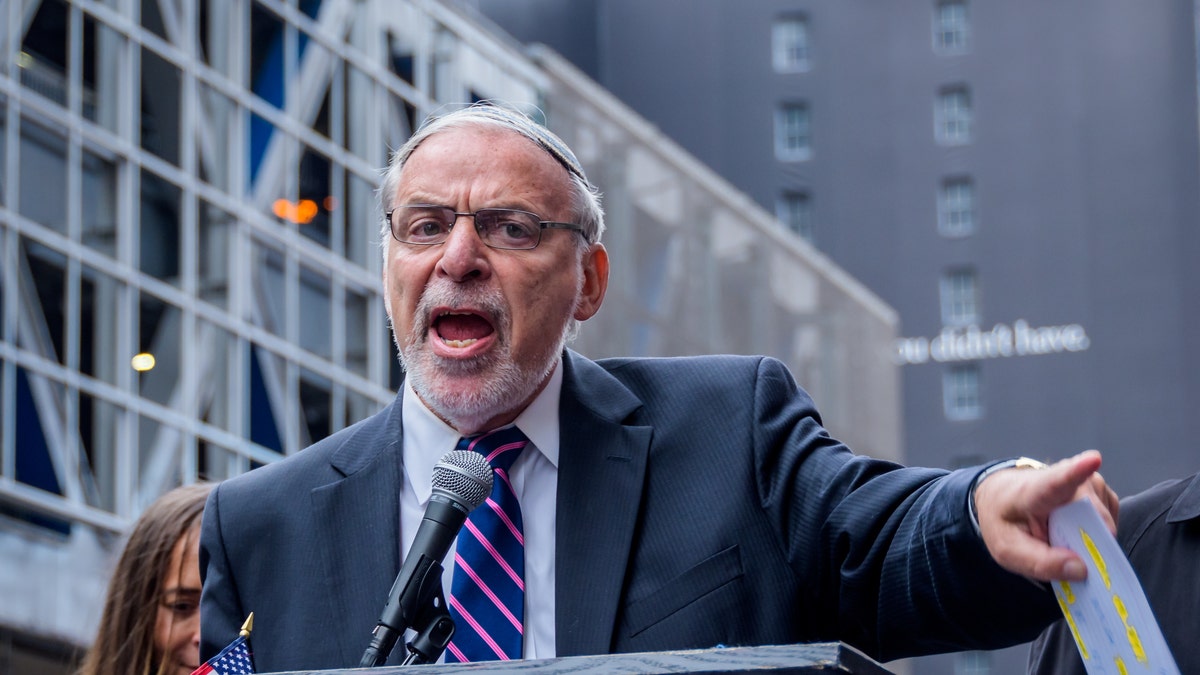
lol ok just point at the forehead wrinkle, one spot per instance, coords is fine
(507, 171)
(476, 203)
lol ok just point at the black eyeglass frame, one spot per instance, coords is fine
(543, 225)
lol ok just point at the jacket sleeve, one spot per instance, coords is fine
(221, 615)
(896, 558)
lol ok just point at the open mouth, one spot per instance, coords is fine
(461, 329)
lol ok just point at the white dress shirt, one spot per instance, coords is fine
(534, 478)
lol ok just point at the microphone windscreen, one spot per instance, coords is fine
(465, 476)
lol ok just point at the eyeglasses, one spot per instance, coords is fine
(507, 229)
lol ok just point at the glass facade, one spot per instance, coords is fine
(194, 182)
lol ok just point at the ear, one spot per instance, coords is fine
(595, 282)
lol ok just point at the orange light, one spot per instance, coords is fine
(306, 211)
(302, 213)
(330, 203)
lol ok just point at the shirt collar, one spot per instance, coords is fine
(1187, 504)
(427, 438)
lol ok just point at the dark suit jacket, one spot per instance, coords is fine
(1159, 530)
(700, 502)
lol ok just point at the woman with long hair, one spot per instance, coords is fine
(151, 619)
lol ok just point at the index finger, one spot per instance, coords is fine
(1060, 483)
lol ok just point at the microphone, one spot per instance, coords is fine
(462, 480)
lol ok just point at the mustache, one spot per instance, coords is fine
(486, 298)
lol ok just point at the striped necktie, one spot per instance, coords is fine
(487, 596)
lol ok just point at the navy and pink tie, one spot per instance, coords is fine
(487, 597)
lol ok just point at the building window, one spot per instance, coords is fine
(794, 210)
(960, 297)
(960, 392)
(950, 27)
(956, 207)
(789, 44)
(952, 116)
(792, 132)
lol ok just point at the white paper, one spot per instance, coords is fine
(1108, 615)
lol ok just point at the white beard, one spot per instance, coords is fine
(500, 385)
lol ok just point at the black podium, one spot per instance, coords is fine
(817, 657)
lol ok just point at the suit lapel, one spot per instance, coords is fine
(601, 471)
(600, 475)
(356, 527)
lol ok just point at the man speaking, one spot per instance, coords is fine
(635, 504)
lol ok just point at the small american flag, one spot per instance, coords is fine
(234, 659)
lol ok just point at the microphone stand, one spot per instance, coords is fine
(420, 605)
(436, 630)
(461, 482)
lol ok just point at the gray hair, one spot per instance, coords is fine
(585, 198)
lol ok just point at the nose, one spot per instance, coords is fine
(189, 651)
(191, 628)
(464, 255)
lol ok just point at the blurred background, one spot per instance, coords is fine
(968, 227)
